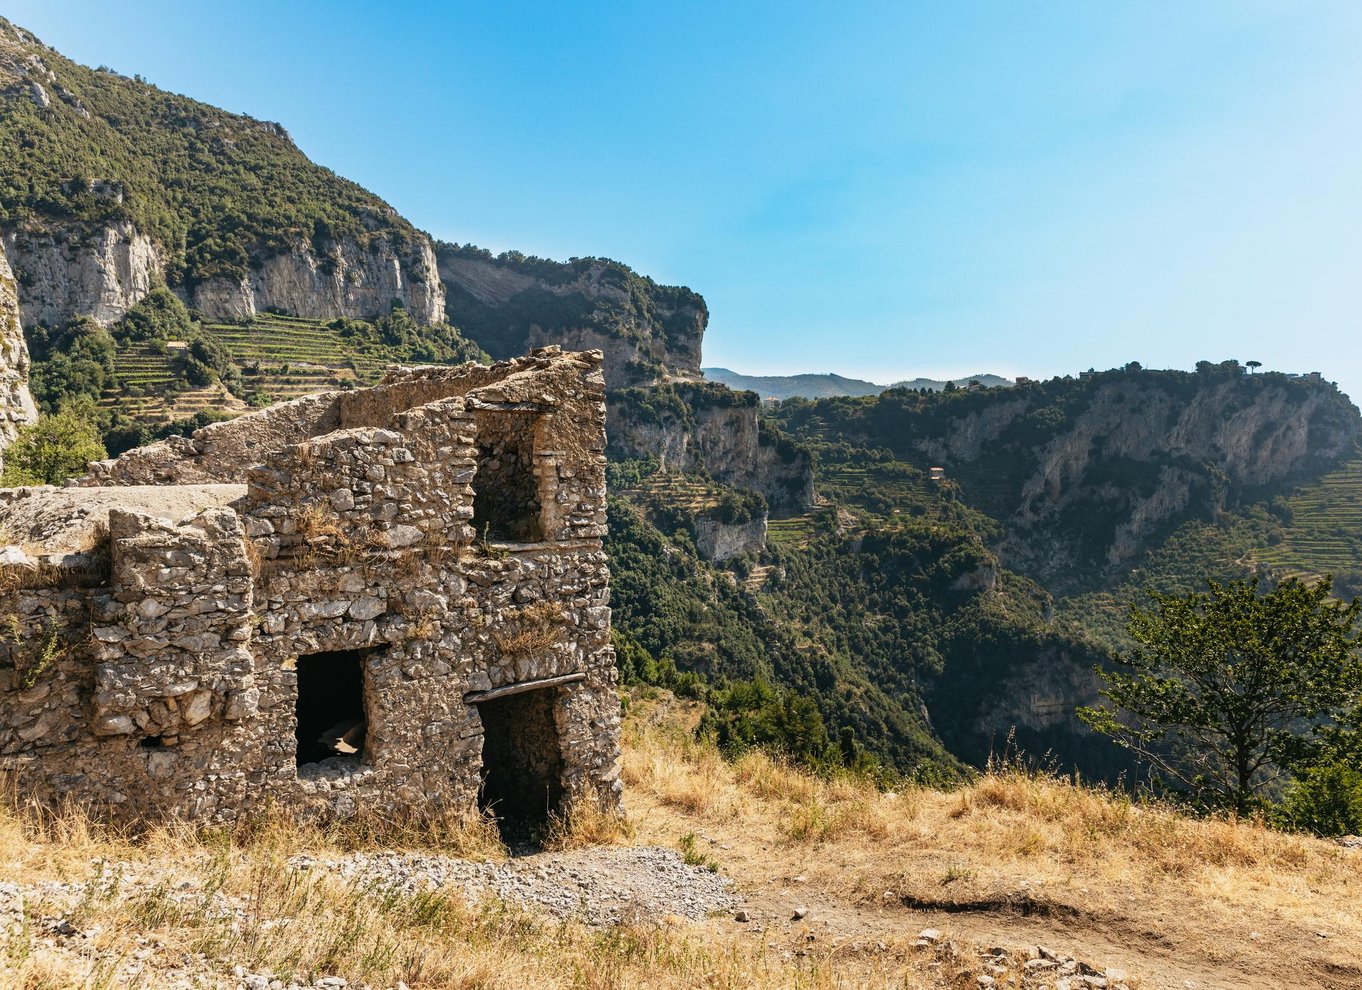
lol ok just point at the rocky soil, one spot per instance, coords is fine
(598, 887)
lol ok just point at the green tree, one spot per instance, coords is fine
(51, 450)
(1229, 690)
(159, 315)
(1325, 799)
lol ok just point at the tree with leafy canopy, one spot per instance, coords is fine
(51, 450)
(1229, 691)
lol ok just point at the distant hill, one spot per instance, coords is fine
(786, 386)
(936, 385)
(826, 386)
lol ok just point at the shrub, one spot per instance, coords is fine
(51, 450)
(1325, 800)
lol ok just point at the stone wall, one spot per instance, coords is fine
(173, 687)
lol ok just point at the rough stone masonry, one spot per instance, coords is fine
(391, 598)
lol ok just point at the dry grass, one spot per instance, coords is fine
(1012, 822)
(1010, 838)
(232, 897)
(316, 523)
(1201, 882)
(530, 631)
(586, 826)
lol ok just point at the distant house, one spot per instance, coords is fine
(938, 474)
(1022, 380)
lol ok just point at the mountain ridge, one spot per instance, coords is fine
(797, 568)
(110, 186)
(819, 385)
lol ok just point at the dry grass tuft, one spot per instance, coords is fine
(530, 631)
(317, 523)
(586, 826)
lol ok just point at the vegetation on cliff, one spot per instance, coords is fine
(884, 631)
(218, 191)
(1087, 474)
(509, 301)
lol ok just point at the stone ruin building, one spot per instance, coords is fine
(389, 598)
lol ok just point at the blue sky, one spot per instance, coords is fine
(878, 189)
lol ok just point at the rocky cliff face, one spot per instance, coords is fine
(718, 541)
(16, 404)
(1134, 452)
(1085, 474)
(64, 271)
(1031, 706)
(347, 280)
(648, 332)
(710, 428)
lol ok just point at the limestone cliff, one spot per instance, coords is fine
(718, 541)
(1084, 474)
(1140, 455)
(347, 279)
(648, 332)
(65, 270)
(16, 404)
(707, 427)
(111, 186)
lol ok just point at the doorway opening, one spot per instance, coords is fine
(332, 721)
(522, 761)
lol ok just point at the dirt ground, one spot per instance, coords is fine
(1158, 943)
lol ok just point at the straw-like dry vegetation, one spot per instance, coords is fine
(1013, 860)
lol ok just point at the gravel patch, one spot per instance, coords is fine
(599, 887)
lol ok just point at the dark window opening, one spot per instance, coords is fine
(522, 760)
(505, 489)
(331, 716)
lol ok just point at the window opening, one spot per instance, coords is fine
(331, 717)
(505, 489)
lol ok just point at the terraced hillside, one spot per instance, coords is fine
(795, 531)
(1322, 527)
(883, 486)
(691, 492)
(278, 357)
